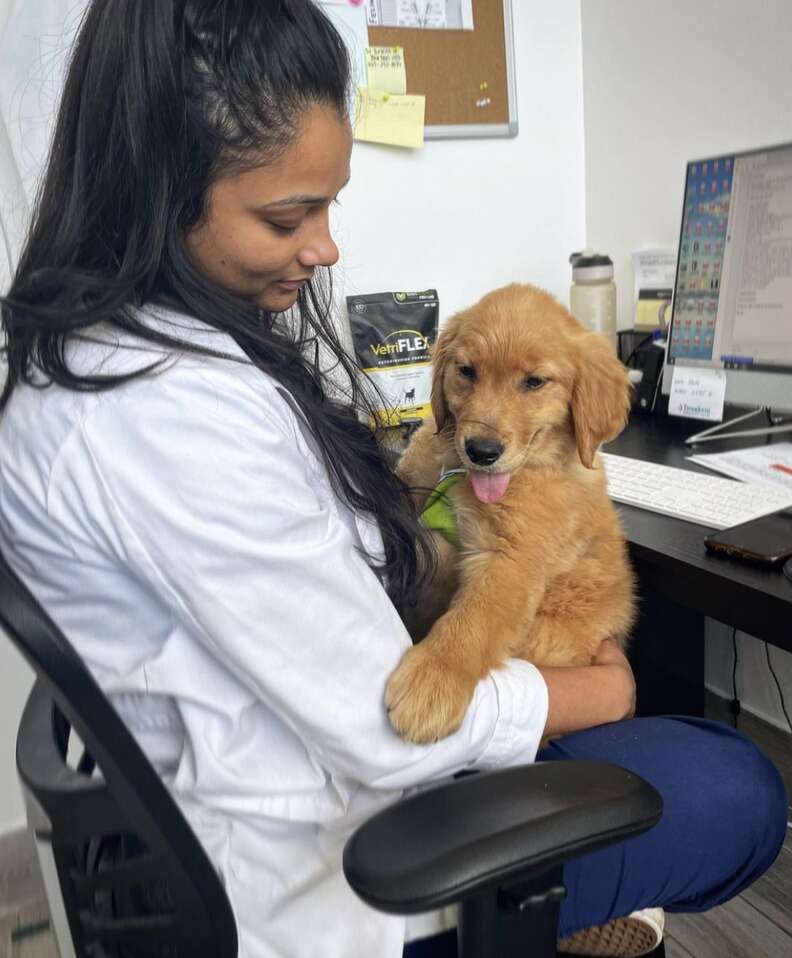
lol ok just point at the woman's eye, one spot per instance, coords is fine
(467, 372)
(534, 382)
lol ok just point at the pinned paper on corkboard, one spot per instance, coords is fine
(385, 68)
(390, 118)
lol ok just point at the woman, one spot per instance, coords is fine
(218, 534)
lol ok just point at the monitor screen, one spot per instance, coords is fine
(733, 294)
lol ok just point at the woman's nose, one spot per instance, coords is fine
(319, 248)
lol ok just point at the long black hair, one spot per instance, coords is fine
(161, 98)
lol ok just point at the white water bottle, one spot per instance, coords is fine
(592, 296)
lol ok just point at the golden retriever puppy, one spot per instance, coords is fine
(522, 397)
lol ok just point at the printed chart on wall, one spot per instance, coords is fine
(421, 14)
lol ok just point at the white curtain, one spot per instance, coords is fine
(35, 36)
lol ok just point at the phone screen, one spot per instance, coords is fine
(769, 537)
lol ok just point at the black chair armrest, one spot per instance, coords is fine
(44, 772)
(484, 831)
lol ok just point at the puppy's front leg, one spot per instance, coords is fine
(430, 690)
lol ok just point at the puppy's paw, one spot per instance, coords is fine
(426, 697)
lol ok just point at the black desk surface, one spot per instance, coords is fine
(669, 554)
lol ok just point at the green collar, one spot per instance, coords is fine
(438, 513)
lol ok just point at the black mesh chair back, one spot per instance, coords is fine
(124, 872)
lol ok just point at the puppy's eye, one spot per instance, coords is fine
(534, 382)
(467, 372)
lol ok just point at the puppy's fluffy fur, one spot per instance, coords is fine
(543, 572)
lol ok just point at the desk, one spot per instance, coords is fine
(680, 584)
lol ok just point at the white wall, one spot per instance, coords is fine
(665, 82)
(464, 216)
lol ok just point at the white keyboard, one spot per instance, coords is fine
(706, 500)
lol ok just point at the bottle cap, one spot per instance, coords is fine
(590, 265)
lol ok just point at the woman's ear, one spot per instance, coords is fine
(600, 396)
(441, 357)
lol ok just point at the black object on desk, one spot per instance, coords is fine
(680, 584)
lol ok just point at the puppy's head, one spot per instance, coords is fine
(518, 383)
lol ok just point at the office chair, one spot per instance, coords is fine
(126, 876)
(123, 871)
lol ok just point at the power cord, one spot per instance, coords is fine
(778, 685)
(734, 705)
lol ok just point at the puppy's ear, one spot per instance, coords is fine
(441, 357)
(600, 396)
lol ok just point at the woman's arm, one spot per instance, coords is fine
(582, 696)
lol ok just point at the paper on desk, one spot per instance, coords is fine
(697, 393)
(386, 118)
(385, 67)
(770, 465)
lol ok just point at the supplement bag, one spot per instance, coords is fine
(393, 334)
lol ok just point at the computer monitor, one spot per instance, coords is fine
(732, 306)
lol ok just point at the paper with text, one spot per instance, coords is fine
(420, 14)
(390, 119)
(385, 68)
(770, 465)
(697, 393)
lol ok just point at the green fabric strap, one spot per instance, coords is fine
(438, 513)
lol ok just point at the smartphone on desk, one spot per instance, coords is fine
(766, 540)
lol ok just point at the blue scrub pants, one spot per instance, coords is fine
(723, 824)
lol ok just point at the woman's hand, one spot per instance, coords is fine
(587, 695)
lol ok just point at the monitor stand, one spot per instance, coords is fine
(722, 431)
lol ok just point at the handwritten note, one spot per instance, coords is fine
(385, 67)
(697, 393)
(389, 118)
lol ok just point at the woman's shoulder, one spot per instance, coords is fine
(188, 405)
(209, 372)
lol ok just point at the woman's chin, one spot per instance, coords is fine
(277, 301)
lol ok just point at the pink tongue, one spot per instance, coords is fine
(489, 486)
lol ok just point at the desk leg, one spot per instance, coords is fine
(667, 656)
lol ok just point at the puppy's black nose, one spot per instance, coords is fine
(483, 452)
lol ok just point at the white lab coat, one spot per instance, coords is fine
(183, 533)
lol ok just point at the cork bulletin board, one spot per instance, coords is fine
(467, 76)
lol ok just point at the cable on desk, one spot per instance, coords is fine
(778, 685)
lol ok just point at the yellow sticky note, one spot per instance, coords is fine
(385, 68)
(390, 118)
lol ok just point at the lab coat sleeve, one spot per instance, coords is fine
(218, 504)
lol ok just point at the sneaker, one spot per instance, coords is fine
(636, 934)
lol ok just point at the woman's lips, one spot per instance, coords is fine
(293, 285)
